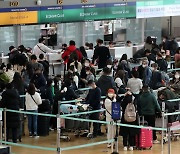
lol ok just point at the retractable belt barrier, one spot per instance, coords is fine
(69, 116)
(172, 70)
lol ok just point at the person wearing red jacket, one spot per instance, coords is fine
(69, 50)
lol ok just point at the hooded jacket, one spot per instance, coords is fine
(106, 82)
(148, 104)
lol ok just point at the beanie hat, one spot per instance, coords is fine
(111, 91)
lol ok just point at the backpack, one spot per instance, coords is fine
(73, 55)
(130, 113)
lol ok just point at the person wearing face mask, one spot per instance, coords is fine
(41, 48)
(111, 97)
(93, 99)
(145, 72)
(175, 87)
(90, 75)
(156, 79)
(162, 63)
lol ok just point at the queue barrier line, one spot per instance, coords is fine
(170, 114)
(83, 89)
(173, 100)
(81, 113)
(171, 70)
(29, 146)
(86, 145)
(76, 100)
(31, 113)
(119, 124)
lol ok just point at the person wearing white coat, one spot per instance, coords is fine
(111, 97)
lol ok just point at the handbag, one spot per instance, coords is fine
(34, 100)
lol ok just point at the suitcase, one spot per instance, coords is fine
(145, 139)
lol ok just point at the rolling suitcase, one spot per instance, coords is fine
(145, 139)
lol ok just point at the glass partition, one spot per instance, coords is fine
(7, 38)
(153, 27)
(70, 31)
(93, 31)
(30, 35)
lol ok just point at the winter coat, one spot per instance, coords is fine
(11, 100)
(125, 131)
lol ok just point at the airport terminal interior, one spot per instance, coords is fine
(89, 76)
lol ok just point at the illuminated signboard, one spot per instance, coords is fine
(18, 16)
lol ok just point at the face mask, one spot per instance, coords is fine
(90, 87)
(110, 95)
(109, 66)
(177, 76)
(87, 73)
(152, 68)
(143, 66)
(86, 64)
(164, 57)
(53, 84)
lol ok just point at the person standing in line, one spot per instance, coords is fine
(149, 107)
(41, 48)
(101, 54)
(111, 97)
(93, 99)
(33, 99)
(11, 100)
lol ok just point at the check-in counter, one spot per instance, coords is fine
(56, 64)
(117, 52)
(137, 47)
(90, 53)
(4, 59)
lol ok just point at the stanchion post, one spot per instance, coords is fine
(163, 124)
(1, 132)
(5, 128)
(58, 130)
(115, 143)
(169, 138)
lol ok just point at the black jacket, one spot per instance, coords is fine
(162, 64)
(156, 80)
(11, 100)
(106, 82)
(38, 80)
(93, 98)
(102, 54)
(125, 131)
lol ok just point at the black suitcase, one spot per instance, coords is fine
(43, 125)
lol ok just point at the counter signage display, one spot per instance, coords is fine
(11, 16)
(161, 8)
(50, 14)
(121, 10)
(94, 12)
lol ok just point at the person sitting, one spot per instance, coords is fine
(106, 82)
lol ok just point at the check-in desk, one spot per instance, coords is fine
(4, 59)
(90, 53)
(56, 64)
(137, 47)
(117, 52)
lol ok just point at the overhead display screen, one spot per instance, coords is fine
(18, 16)
(157, 8)
(121, 10)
